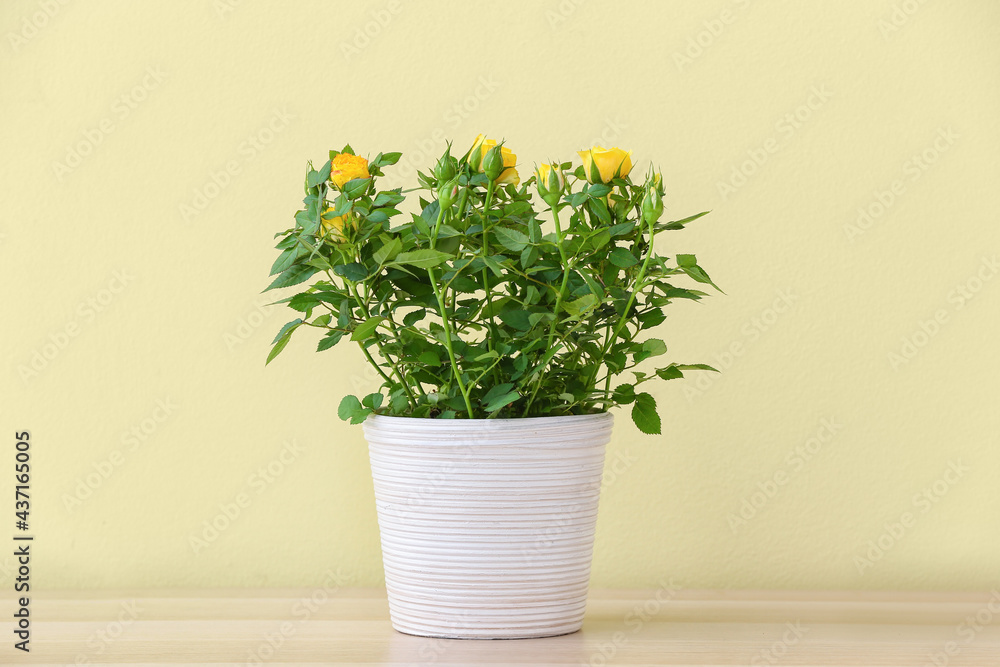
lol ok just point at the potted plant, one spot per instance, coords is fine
(497, 325)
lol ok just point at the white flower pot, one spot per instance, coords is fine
(487, 525)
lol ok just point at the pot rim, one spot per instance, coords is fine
(481, 420)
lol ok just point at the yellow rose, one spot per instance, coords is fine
(481, 146)
(333, 228)
(508, 176)
(603, 164)
(347, 167)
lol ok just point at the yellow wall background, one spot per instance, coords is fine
(848, 151)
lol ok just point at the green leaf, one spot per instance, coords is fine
(366, 328)
(686, 260)
(422, 259)
(421, 224)
(678, 224)
(284, 260)
(387, 251)
(655, 347)
(494, 265)
(279, 346)
(290, 325)
(621, 229)
(292, 276)
(594, 286)
(317, 177)
(699, 274)
(497, 390)
(535, 318)
(511, 238)
(384, 198)
(502, 401)
(354, 271)
(697, 367)
(413, 317)
(644, 414)
(598, 190)
(303, 302)
(430, 358)
(671, 372)
(578, 307)
(329, 340)
(373, 400)
(350, 409)
(652, 318)
(622, 258)
(623, 394)
(356, 187)
(389, 158)
(516, 319)
(529, 256)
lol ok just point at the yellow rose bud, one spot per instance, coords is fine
(493, 163)
(476, 153)
(347, 167)
(333, 228)
(602, 165)
(550, 182)
(481, 146)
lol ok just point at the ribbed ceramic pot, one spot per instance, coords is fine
(487, 525)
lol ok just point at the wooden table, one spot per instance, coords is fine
(626, 627)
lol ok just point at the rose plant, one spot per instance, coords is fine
(483, 303)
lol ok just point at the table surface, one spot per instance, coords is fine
(622, 627)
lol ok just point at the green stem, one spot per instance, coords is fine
(628, 306)
(559, 298)
(395, 332)
(486, 272)
(402, 381)
(565, 277)
(447, 328)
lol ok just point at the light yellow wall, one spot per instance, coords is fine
(151, 318)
